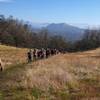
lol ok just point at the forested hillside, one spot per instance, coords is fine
(18, 33)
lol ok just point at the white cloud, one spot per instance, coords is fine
(5, 1)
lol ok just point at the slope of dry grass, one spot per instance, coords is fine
(12, 55)
(72, 76)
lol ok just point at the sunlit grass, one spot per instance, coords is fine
(71, 76)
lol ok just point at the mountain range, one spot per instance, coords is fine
(71, 33)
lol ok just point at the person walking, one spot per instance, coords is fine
(1, 65)
(29, 56)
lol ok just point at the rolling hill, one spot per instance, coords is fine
(70, 76)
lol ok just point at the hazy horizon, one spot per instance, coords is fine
(78, 13)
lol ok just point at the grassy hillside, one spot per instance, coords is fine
(71, 76)
(12, 55)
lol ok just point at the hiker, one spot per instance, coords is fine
(44, 53)
(57, 52)
(39, 54)
(29, 55)
(34, 54)
(53, 52)
(1, 65)
(48, 53)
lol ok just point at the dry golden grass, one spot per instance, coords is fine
(12, 55)
(71, 76)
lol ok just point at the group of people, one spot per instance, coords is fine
(40, 53)
(36, 54)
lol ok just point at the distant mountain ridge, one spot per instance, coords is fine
(71, 33)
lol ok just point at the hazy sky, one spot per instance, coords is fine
(57, 11)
